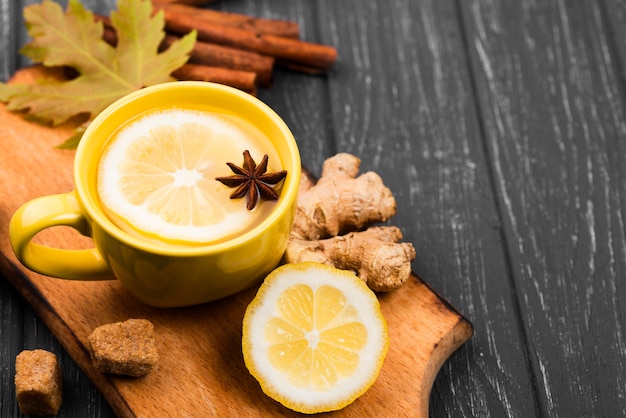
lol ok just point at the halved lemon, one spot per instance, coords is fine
(157, 176)
(314, 337)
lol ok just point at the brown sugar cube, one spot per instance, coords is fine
(38, 382)
(125, 348)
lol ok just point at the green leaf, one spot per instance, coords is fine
(105, 73)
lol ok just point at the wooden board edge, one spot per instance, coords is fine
(63, 334)
(458, 335)
(449, 343)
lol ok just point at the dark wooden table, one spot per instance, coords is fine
(501, 129)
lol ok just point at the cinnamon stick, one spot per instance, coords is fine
(277, 27)
(243, 80)
(235, 59)
(305, 54)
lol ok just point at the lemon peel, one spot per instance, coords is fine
(314, 337)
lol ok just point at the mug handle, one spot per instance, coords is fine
(47, 211)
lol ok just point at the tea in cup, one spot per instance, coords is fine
(188, 190)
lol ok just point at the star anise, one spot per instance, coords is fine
(252, 180)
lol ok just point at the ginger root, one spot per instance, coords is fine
(332, 221)
(340, 202)
(375, 255)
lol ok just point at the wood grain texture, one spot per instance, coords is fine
(405, 99)
(201, 370)
(554, 128)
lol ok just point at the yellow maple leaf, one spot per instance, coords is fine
(105, 73)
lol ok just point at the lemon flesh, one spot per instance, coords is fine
(314, 337)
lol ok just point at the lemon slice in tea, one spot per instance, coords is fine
(157, 176)
(314, 337)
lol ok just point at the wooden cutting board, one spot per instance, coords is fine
(201, 371)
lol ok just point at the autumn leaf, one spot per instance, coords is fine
(105, 73)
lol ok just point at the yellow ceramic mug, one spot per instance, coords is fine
(160, 276)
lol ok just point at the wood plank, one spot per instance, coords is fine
(402, 95)
(11, 336)
(201, 370)
(8, 41)
(554, 125)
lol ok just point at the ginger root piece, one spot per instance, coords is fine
(124, 348)
(38, 382)
(331, 220)
(375, 255)
(340, 202)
